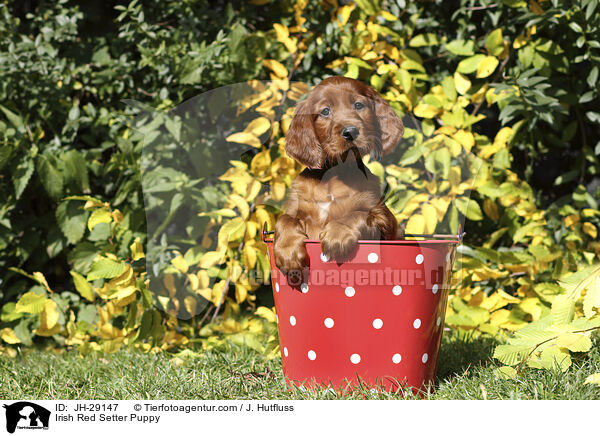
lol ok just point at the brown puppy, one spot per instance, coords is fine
(336, 198)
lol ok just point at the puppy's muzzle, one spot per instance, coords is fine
(350, 133)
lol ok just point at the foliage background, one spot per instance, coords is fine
(513, 82)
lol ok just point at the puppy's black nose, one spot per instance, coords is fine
(350, 133)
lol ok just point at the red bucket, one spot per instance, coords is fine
(376, 320)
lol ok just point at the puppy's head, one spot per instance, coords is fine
(340, 114)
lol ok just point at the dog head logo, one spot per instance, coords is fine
(26, 415)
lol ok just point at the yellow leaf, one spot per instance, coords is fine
(241, 204)
(571, 220)
(210, 258)
(241, 292)
(108, 331)
(42, 280)
(180, 263)
(281, 31)
(203, 278)
(461, 83)
(487, 67)
(190, 304)
(250, 256)
(244, 138)
(117, 216)
(99, 216)
(424, 110)
(344, 12)
(277, 68)
(388, 16)
(8, 336)
(491, 209)
(49, 316)
(590, 229)
(465, 138)
(266, 313)
(137, 251)
(593, 379)
(416, 225)
(258, 126)
(278, 191)
(260, 163)
(253, 190)
(430, 217)
(535, 7)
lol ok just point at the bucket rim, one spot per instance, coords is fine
(386, 242)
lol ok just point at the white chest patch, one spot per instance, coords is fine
(324, 207)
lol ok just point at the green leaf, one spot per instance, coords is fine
(371, 7)
(22, 175)
(106, 269)
(575, 342)
(50, 176)
(83, 286)
(77, 171)
(100, 215)
(460, 47)
(506, 373)
(13, 118)
(31, 303)
(71, 219)
(494, 42)
(512, 354)
(469, 65)
(563, 310)
(469, 208)
(424, 40)
(9, 312)
(412, 155)
(551, 358)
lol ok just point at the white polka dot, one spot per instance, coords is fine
(328, 323)
(277, 287)
(312, 355)
(396, 358)
(372, 257)
(377, 323)
(276, 319)
(438, 321)
(350, 291)
(292, 320)
(285, 351)
(355, 358)
(397, 290)
(304, 288)
(417, 323)
(324, 258)
(425, 358)
(434, 289)
(419, 259)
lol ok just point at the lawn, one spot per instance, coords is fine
(466, 371)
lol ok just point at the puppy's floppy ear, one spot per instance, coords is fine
(390, 124)
(301, 141)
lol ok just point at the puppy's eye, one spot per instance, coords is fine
(358, 105)
(325, 112)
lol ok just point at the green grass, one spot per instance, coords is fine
(466, 371)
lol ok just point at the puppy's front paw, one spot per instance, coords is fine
(292, 261)
(338, 241)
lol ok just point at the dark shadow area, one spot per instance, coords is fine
(458, 353)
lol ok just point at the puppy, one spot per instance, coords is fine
(336, 198)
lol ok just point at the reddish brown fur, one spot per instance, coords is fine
(336, 198)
